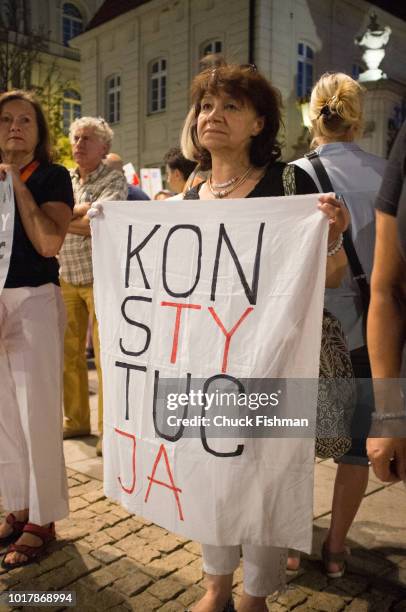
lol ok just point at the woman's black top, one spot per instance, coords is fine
(392, 195)
(48, 183)
(271, 184)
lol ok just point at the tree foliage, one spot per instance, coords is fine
(25, 64)
(19, 46)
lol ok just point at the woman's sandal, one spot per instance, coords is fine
(330, 557)
(46, 534)
(17, 529)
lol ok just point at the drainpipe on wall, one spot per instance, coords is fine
(99, 84)
(251, 32)
(189, 36)
(140, 93)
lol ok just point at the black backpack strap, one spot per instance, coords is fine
(357, 270)
(320, 171)
(353, 259)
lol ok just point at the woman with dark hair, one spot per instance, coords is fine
(233, 135)
(33, 483)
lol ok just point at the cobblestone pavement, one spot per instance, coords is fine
(115, 561)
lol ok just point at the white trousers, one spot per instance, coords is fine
(32, 467)
(264, 567)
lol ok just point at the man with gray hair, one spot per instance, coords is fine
(92, 180)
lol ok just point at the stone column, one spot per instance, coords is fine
(383, 101)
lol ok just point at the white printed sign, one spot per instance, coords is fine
(230, 289)
(129, 172)
(151, 181)
(6, 226)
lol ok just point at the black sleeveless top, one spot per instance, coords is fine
(271, 184)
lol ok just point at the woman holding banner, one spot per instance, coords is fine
(33, 483)
(233, 135)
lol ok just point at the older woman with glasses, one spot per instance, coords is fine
(233, 135)
(33, 483)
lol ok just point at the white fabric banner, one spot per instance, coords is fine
(6, 227)
(204, 288)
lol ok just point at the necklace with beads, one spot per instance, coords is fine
(221, 190)
(218, 186)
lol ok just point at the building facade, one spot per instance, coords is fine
(138, 59)
(55, 22)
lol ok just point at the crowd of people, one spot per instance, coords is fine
(229, 149)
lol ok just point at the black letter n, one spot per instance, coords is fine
(250, 292)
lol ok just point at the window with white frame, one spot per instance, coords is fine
(72, 22)
(157, 86)
(113, 98)
(72, 108)
(211, 47)
(305, 70)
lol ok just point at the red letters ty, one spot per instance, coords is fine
(228, 334)
(179, 308)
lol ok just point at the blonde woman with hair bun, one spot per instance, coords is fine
(336, 109)
(336, 113)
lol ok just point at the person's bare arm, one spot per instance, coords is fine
(80, 226)
(80, 210)
(117, 189)
(386, 336)
(386, 320)
(339, 219)
(335, 269)
(45, 225)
